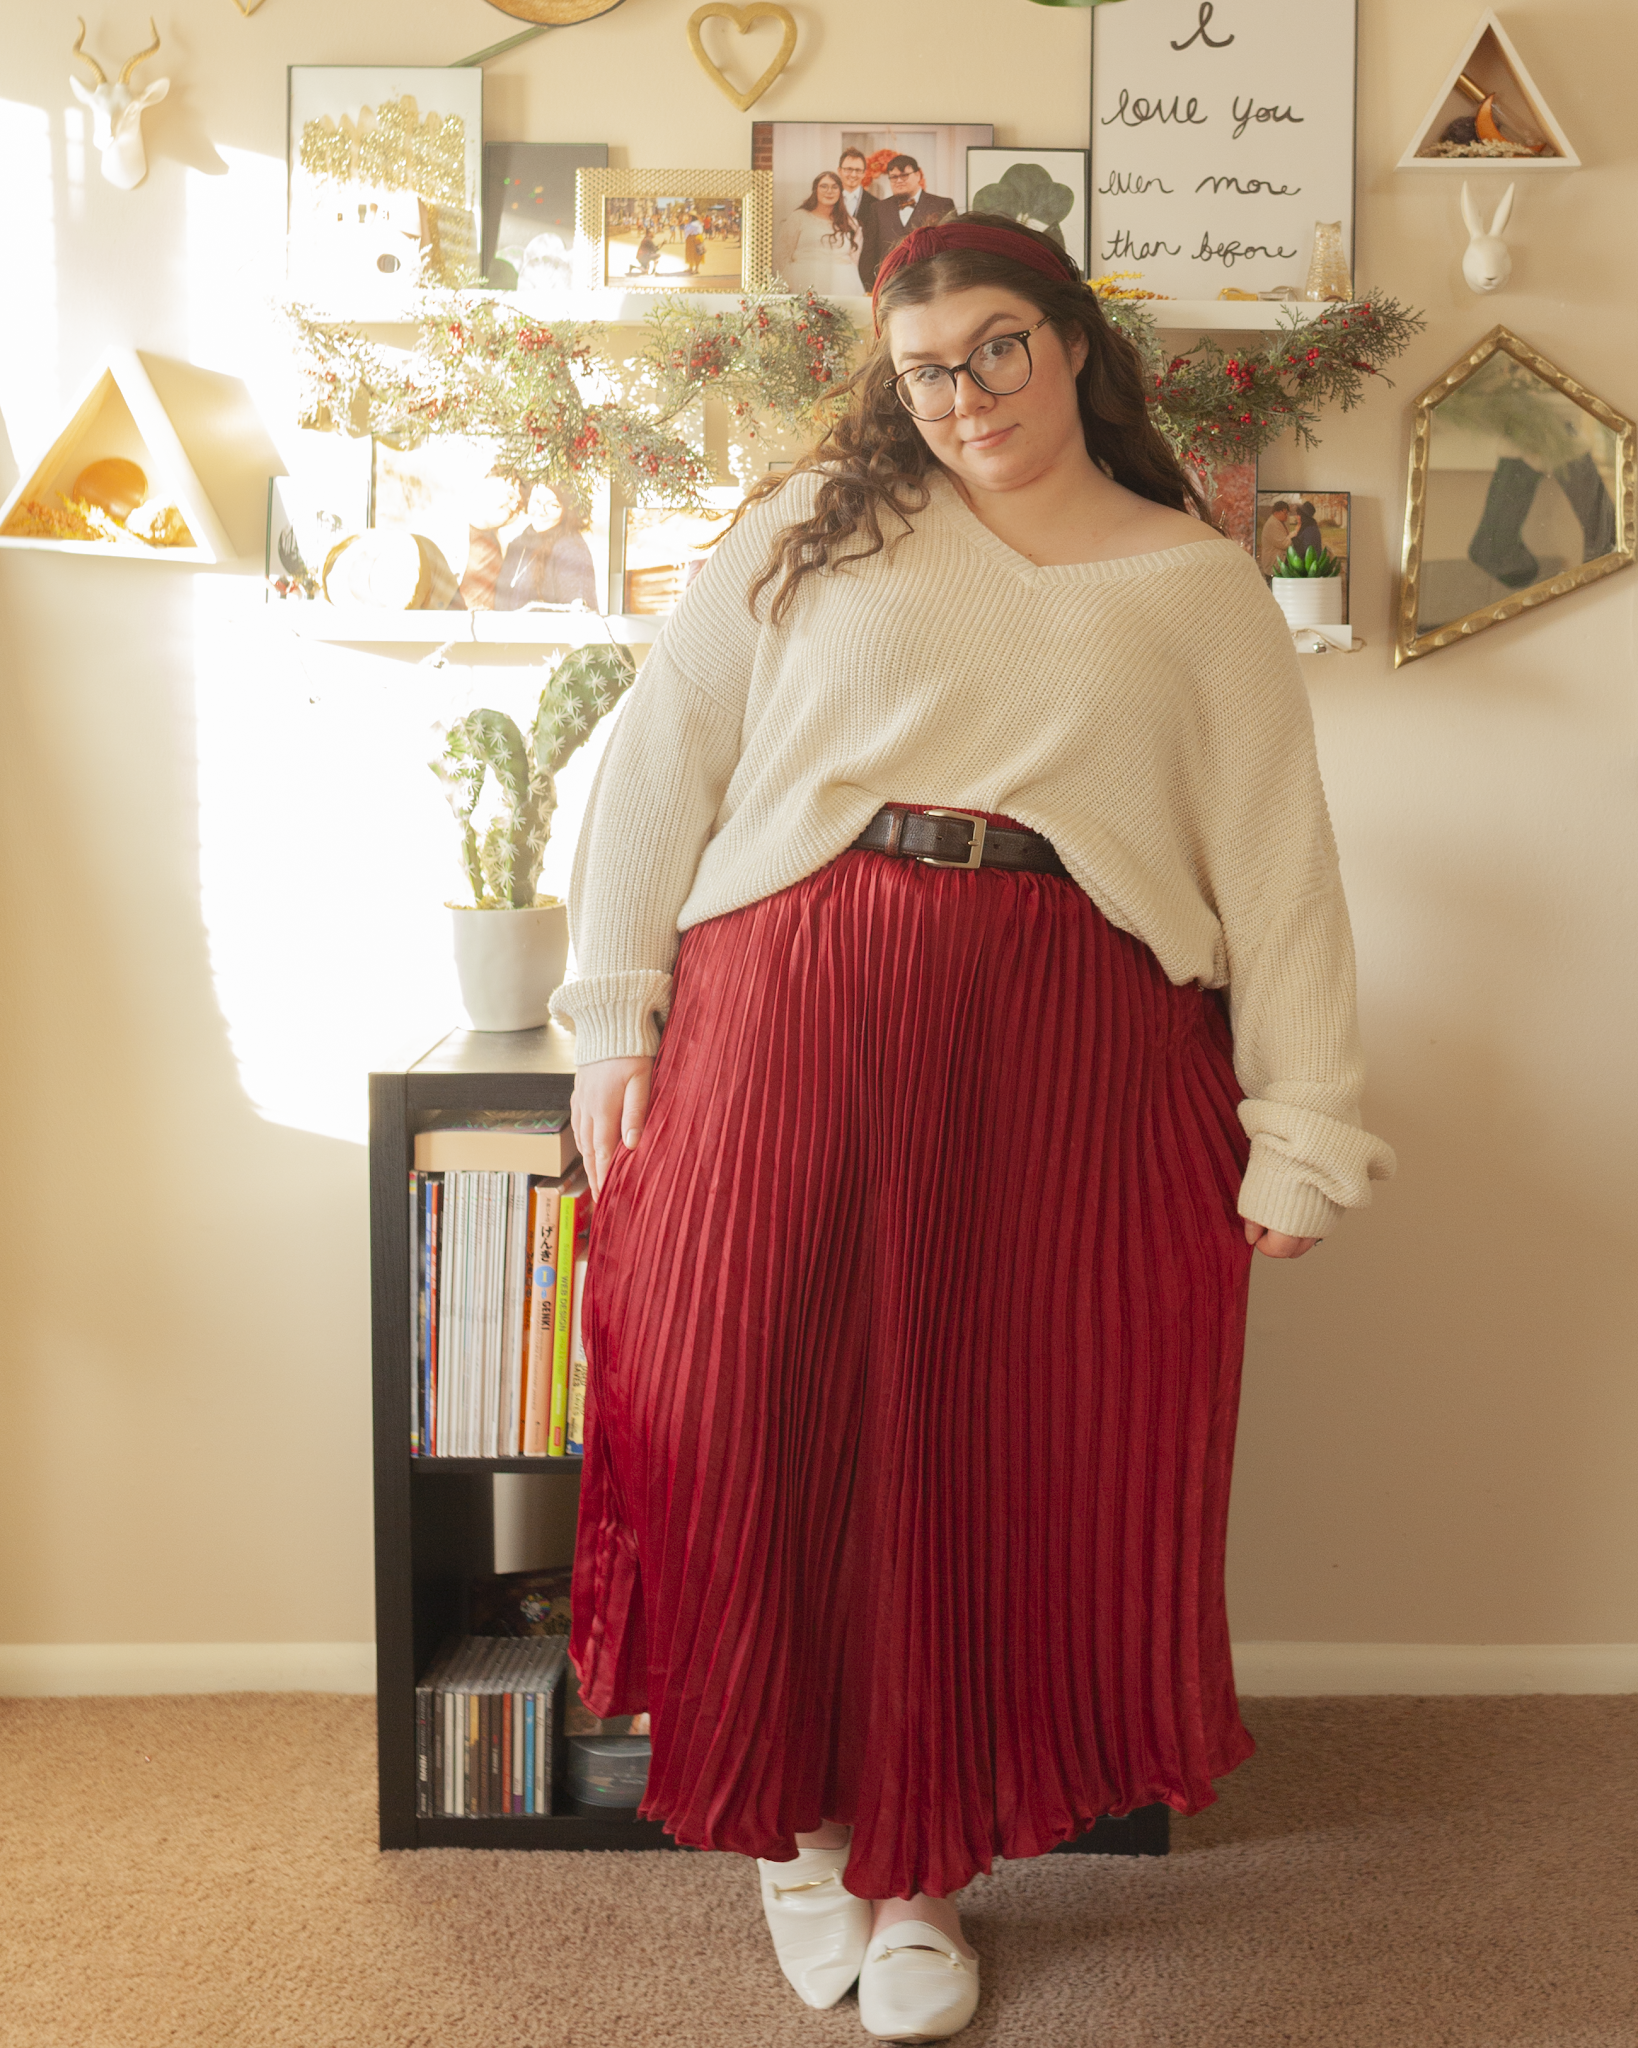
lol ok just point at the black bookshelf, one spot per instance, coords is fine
(434, 1517)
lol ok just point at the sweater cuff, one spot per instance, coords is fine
(1272, 1196)
(614, 1016)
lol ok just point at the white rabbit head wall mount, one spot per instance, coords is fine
(1486, 261)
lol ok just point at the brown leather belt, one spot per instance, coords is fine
(957, 839)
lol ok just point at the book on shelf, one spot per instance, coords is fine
(493, 1307)
(576, 1427)
(500, 1141)
(574, 1236)
(485, 1716)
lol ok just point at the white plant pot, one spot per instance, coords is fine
(510, 962)
(1309, 600)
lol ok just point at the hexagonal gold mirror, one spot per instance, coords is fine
(1521, 490)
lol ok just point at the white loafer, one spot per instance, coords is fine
(916, 1985)
(820, 1930)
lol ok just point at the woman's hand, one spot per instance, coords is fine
(1274, 1244)
(608, 1109)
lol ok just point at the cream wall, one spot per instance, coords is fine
(222, 872)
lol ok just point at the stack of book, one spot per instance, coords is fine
(484, 1715)
(501, 1217)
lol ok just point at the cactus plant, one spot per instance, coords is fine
(503, 868)
(1307, 563)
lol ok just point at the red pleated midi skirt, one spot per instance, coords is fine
(914, 1326)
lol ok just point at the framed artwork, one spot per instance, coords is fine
(663, 550)
(845, 191)
(511, 544)
(1303, 520)
(1220, 136)
(670, 231)
(385, 169)
(308, 514)
(528, 212)
(1043, 188)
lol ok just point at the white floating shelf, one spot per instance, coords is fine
(1325, 640)
(1252, 315)
(363, 625)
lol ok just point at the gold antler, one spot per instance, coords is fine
(84, 57)
(141, 56)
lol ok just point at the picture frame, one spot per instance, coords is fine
(1022, 179)
(1218, 144)
(507, 549)
(384, 183)
(1330, 512)
(659, 549)
(631, 230)
(813, 248)
(529, 212)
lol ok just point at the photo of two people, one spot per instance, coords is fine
(844, 195)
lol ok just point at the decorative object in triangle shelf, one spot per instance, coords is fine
(1489, 111)
(115, 480)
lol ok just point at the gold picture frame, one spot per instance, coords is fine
(751, 192)
(1493, 424)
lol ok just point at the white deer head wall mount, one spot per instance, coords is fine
(116, 112)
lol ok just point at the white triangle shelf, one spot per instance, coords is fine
(118, 413)
(1491, 62)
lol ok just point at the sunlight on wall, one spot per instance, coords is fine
(328, 853)
(29, 393)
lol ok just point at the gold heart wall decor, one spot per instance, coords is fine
(744, 19)
(247, 12)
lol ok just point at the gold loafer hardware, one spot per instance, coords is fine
(813, 1884)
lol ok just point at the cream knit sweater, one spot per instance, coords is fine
(1147, 715)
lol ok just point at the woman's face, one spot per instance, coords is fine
(828, 192)
(990, 443)
(545, 508)
(494, 503)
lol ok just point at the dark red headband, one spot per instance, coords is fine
(921, 243)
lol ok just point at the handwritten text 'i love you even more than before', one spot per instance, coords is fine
(1218, 138)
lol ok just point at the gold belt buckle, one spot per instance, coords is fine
(975, 852)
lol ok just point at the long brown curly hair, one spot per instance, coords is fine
(874, 463)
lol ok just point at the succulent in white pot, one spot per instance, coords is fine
(1308, 587)
(511, 945)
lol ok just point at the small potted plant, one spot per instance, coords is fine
(1308, 587)
(511, 946)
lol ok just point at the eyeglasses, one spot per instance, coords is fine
(1000, 366)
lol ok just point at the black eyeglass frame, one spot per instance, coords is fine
(954, 370)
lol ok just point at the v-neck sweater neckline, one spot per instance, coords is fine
(947, 504)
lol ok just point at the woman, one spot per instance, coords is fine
(693, 244)
(1275, 537)
(918, 1277)
(493, 504)
(548, 562)
(817, 245)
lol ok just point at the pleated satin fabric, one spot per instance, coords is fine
(914, 1327)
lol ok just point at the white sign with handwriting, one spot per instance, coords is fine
(1222, 130)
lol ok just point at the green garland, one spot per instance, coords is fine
(1216, 408)
(562, 407)
(559, 404)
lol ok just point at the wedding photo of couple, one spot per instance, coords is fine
(843, 196)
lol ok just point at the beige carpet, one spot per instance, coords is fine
(1383, 1874)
